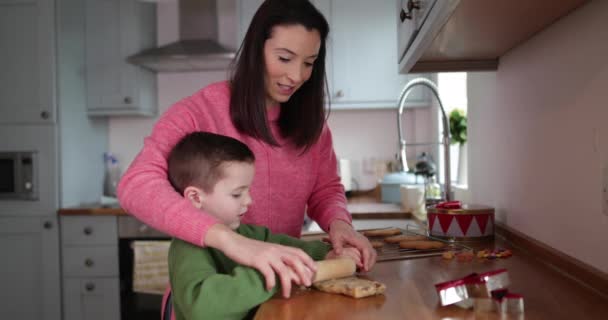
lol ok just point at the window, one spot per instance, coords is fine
(453, 92)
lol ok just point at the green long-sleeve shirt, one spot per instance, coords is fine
(206, 284)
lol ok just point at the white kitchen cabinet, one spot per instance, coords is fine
(42, 109)
(90, 267)
(417, 27)
(29, 271)
(91, 299)
(116, 29)
(411, 16)
(27, 61)
(361, 57)
(245, 11)
(364, 56)
(29, 234)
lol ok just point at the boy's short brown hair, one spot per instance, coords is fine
(197, 159)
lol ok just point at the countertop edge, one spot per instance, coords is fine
(568, 266)
(364, 205)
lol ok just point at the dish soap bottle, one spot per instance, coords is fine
(432, 190)
(112, 175)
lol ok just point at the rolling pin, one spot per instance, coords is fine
(334, 268)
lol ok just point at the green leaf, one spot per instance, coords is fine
(458, 126)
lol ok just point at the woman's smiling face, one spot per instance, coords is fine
(289, 54)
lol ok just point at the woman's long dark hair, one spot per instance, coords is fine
(302, 117)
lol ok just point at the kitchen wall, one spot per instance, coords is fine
(363, 136)
(82, 139)
(539, 136)
(126, 134)
(368, 137)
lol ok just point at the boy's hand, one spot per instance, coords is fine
(272, 260)
(348, 252)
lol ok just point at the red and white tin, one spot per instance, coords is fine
(461, 222)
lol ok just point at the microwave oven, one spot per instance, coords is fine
(18, 175)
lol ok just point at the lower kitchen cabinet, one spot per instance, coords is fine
(29, 271)
(91, 284)
(91, 298)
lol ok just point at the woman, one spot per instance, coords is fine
(274, 104)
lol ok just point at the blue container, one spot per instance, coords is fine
(391, 183)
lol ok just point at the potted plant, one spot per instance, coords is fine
(458, 137)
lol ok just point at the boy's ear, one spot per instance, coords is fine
(195, 195)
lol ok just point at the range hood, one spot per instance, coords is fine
(197, 48)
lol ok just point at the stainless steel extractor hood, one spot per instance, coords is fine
(197, 49)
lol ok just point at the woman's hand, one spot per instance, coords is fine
(289, 264)
(342, 234)
(350, 252)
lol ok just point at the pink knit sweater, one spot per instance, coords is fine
(286, 183)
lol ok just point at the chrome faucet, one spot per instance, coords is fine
(446, 129)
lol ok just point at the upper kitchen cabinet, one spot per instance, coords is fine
(361, 57)
(116, 29)
(27, 61)
(245, 11)
(469, 35)
(363, 54)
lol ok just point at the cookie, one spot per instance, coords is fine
(351, 286)
(421, 245)
(377, 244)
(403, 237)
(382, 232)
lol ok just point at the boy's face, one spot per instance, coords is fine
(230, 197)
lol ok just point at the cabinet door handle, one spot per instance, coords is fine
(89, 286)
(89, 262)
(143, 228)
(88, 231)
(339, 94)
(411, 6)
(45, 115)
(48, 225)
(403, 15)
(128, 100)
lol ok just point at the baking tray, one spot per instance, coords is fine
(391, 251)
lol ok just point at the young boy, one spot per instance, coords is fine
(215, 172)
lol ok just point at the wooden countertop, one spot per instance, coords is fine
(93, 209)
(411, 294)
(548, 293)
(361, 206)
